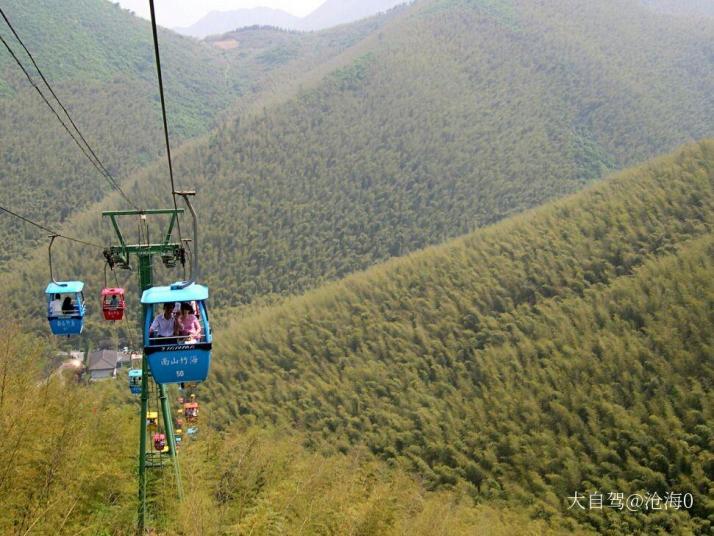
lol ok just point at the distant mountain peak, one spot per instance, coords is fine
(217, 22)
(330, 13)
(335, 12)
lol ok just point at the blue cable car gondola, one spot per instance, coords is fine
(65, 307)
(65, 303)
(181, 356)
(135, 381)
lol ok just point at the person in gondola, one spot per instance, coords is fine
(188, 324)
(164, 326)
(56, 306)
(67, 306)
(114, 302)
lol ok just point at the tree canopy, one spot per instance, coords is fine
(567, 349)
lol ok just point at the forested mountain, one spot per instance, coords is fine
(331, 13)
(296, 53)
(453, 116)
(68, 467)
(99, 59)
(567, 349)
(472, 386)
(450, 116)
(334, 12)
(218, 22)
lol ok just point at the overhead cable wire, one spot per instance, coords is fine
(42, 76)
(109, 178)
(47, 229)
(88, 151)
(163, 111)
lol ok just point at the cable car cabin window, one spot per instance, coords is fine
(112, 302)
(65, 305)
(177, 323)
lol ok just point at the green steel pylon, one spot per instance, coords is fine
(120, 255)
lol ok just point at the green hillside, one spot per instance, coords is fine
(453, 116)
(274, 46)
(99, 58)
(469, 385)
(567, 349)
(419, 137)
(68, 467)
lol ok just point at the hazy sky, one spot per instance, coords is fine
(172, 13)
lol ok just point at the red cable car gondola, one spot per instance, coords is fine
(113, 303)
(160, 442)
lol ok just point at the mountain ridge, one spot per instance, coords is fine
(100, 64)
(468, 320)
(383, 154)
(474, 361)
(109, 87)
(436, 158)
(331, 13)
(219, 22)
(335, 12)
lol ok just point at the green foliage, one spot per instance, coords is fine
(65, 465)
(447, 121)
(502, 10)
(352, 76)
(568, 349)
(277, 55)
(564, 350)
(68, 466)
(433, 129)
(100, 61)
(253, 482)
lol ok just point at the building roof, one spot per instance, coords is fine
(103, 360)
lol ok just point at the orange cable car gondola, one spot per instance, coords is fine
(113, 304)
(190, 411)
